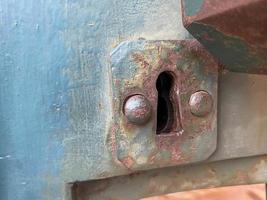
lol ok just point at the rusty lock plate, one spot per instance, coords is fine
(164, 104)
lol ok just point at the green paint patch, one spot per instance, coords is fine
(232, 51)
(192, 6)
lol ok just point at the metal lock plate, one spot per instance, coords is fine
(188, 136)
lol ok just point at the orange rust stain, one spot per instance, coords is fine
(245, 192)
(128, 162)
(139, 58)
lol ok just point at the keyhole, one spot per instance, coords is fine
(165, 112)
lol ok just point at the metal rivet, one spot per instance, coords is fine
(201, 103)
(137, 109)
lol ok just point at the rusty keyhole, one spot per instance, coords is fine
(165, 109)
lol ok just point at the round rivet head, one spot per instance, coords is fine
(137, 109)
(201, 103)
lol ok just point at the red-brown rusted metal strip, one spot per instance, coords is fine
(234, 31)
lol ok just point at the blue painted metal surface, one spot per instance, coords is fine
(33, 99)
(54, 99)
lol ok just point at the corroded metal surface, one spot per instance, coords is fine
(233, 31)
(201, 103)
(136, 67)
(137, 109)
(174, 179)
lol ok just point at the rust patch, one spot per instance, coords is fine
(127, 162)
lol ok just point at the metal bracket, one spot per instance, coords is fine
(192, 135)
(234, 32)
